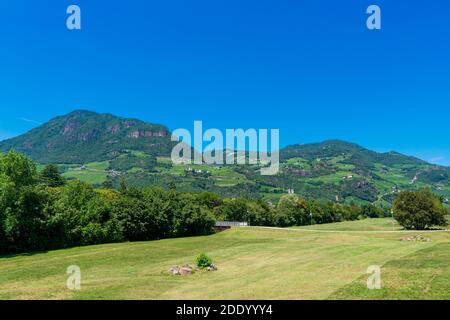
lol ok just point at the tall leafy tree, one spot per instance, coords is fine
(18, 168)
(419, 210)
(51, 176)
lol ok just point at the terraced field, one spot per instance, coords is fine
(344, 177)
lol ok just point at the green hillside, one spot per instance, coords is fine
(342, 171)
(253, 263)
(102, 149)
(84, 136)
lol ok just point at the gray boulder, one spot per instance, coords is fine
(211, 268)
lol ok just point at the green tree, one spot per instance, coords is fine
(234, 210)
(8, 196)
(19, 169)
(259, 213)
(123, 186)
(292, 210)
(51, 176)
(139, 220)
(17, 172)
(192, 220)
(25, 221)
(371, 211)
(419, 210)
(209, 200)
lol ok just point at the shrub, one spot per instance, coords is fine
(204, 261)
(371, 211)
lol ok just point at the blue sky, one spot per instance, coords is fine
(310, 68)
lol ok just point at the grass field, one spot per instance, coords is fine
(380, 224)
(253, 263)
(94, 173)
(88, 176)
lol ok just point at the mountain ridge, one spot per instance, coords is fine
(14, 142)
(104, 149)
(83, 136)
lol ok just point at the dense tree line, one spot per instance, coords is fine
(292, 210)
(42, 211)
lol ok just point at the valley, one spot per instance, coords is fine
(338, 180)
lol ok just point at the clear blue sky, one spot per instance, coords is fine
(310, 68)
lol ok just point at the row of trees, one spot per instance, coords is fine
(43, 211)
(292, 211)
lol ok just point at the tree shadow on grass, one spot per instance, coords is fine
(23, 254)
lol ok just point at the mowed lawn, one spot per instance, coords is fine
(378, 224)
(253, 263)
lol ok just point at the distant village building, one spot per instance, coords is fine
(197, 172)
(291, 191)
(114, 173)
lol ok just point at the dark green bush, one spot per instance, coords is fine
(371, 211)
(204, 261)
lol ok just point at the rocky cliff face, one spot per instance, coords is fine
(84, 136)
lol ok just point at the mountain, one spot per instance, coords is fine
(353, 153)
(104, 149)
(346, 172)
(84, 136)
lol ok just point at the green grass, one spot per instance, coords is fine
(299, 162)
(272, 197)
(86, 176)
(95, 172)
(379, 224)
(223, 176)
(334, 178)
(424, 274)
(164, 160)
(253, 264)
(102, 166)
(138, 153)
